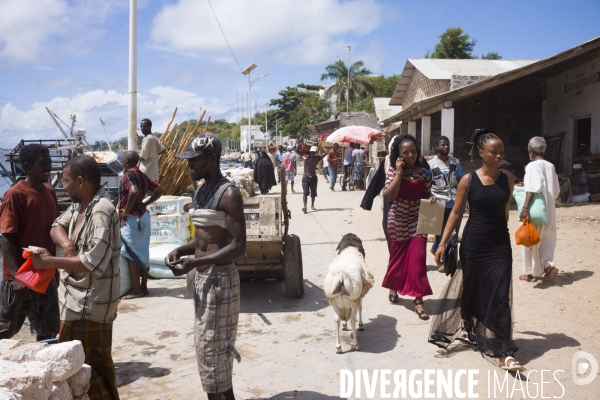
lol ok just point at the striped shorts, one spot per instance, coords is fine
(217, 308)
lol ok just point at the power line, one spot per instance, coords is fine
(227, 41)
(225, 37)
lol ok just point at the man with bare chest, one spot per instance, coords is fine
(217, 212)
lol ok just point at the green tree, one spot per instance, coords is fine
(297, 107)
(492, 55)
(365, 105)
(454, 44)
(360, 85)
(384, 86)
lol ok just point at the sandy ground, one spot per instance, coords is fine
(288, 345)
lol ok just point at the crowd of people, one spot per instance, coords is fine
(475, 306)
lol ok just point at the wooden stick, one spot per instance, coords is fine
(171, 121)
(206, 126)
(199, 120)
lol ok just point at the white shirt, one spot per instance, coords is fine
(149, 156)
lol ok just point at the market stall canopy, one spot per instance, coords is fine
(357, 134)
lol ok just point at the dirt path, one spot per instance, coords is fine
(288, 345)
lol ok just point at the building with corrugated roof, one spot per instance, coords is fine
(557, 97)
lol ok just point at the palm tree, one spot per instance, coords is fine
(359, 82)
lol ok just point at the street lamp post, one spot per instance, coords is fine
(247, 72)
(348, 84)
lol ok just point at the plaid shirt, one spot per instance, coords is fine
(92, 295)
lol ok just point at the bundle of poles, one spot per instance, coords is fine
(174, 174)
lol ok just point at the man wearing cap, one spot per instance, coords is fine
(217, 212)
(310, 180)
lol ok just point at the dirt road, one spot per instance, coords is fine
(288, 345)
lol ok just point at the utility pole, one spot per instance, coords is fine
(132, 126)
(266, 124)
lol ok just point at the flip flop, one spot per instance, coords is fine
(304, 210)
(551, 275)
(512, 367)
(465, 339)
(528, 279)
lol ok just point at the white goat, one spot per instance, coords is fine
(346, 283)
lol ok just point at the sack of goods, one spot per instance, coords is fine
(243, 180)
(169, 205)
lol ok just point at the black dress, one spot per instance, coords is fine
(480, 290)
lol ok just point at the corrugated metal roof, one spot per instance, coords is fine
(445, 69)
(382, 108)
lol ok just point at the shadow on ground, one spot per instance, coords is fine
(128, 372)
(379, 335)
(565, 279)
(267, 296)
(530, 349)
(298, 395)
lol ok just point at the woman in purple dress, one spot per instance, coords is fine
(407, 182)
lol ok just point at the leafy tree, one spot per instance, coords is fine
(360, 85)
(492, 55)
(297, 108)
(365, 105)
(383, 86)
(454, 44)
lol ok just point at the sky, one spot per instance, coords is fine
(72, 55)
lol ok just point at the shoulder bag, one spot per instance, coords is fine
(451, 253)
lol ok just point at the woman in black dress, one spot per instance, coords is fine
(476, 304)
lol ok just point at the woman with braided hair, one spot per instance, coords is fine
(407, 182)
(476, 305)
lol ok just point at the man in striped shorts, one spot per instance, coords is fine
(217, 212)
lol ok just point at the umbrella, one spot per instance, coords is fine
(357, 134)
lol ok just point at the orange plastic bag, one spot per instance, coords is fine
(37, 280)
(526, 235)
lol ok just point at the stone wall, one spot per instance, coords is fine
(459, 81)
(421, 87)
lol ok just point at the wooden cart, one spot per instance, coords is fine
(271, 253)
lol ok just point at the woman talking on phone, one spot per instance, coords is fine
(475, 306)
(407, 182)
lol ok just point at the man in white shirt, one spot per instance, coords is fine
(540, 177)
(347, 164)
(151, 148)
(358, 160)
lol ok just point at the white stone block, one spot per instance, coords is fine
(33, 380)
(65, 359)
(8, 344)
(23, 353)
(6, 395)
(61, 391)
(80, 382)
(83, 397)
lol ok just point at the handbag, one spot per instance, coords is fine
(451, 253)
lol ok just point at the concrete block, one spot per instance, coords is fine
(8, 344)
(65, 359)
(61, 391)
(6, 395)
(83, 397)
(33, 380)
(80, 382)
(23, 353)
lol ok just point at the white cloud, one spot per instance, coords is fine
(157, 104)
(35, 30)
(291, 32)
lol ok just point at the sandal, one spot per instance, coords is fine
(465, 339)
(423, 315)
(513, 366)
(550, 274)
(393, 298)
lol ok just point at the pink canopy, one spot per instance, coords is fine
(357, 134)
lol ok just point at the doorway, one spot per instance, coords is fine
(582, 135)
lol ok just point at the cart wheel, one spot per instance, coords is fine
(190, 278)
(292, 263)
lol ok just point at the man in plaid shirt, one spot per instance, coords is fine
(88, 232)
